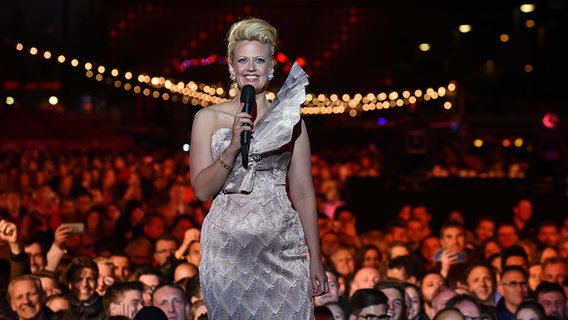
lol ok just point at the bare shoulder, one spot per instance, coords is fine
(217, 116)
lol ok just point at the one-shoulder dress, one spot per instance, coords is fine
(254, 261)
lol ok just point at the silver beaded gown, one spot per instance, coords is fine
(254, 258)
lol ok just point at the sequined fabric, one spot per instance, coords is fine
(254, 259)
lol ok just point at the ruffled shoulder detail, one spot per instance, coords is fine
(272, 131)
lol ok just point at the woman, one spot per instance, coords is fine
(255, 264)
(414, 302)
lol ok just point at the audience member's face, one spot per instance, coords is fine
(555, 272)
(514, 288)
(106, 278)
(490, 249)
(113, 212)
(398, 251)
(430, 285)
(83, 203)
(342, 285)
(527, 314)
(377, 310)
(372, 258)
(180, 228)
(485, 229)
(132, 298)
(83, 284)
(171, 301)
(396, 303)
(440, 299)
(164, 248)
(414, 306)
(429, 247)
(554, 304)
(548, 252)
(343, 261)
(480, 284)
(535, 276)
(329, 244)
(121, 266)
(37, 260)
(397, 274)
(201, 309)
(333, 294)
(414, 230)
(507, 236)
(49, 286)
(141, 255)
(26, 299)
(453, 239)
(422, 214)
(136, 216)
(523, 210)
(194, 253)
(563, 249)
(150, 282)
(365, 278)
(517, 261)
(549, 236)
(184, 270)
(469, 309)
(338, 313)
(399, 234)
(345, 217)
(496, 263)
(154, 228)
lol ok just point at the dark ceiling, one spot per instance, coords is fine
(348, 46)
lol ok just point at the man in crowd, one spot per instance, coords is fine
(522, 218)
(395, 293)
(555, 269)
(367, 303)
(35, 251)
(81, 276)
(27, 299)
(123, 299)
(485, 229)
(405, 268)
(552, 297)
(429, 286)
(365, 277)
(172, 300)
(164, 248)
(514, 288)
(106, 274)
(454, 257)
(122, 265)
(333, 295)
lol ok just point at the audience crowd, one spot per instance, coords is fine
(115, 235)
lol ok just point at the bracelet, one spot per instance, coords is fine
(223, 164)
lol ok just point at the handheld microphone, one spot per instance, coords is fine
(248, 94)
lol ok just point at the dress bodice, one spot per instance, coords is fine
(270, 146)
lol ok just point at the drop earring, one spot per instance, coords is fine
(270, 76)
(232, 77)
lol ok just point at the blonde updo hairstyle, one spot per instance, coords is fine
(252, 29)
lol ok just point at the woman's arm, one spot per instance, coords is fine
(208, 175)
(303, 198)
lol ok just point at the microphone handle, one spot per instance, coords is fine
(245, 138)
(244, 154)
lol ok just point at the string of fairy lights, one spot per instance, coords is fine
(203, 95)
